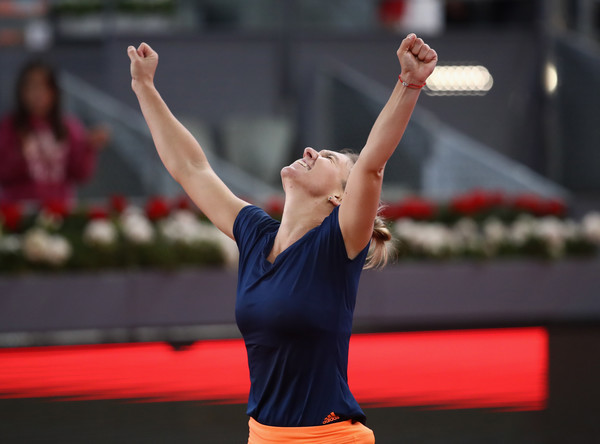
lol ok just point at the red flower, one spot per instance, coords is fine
(390, 211)
(476, 201)
(96, 212)
(411, 207)
(157, 208)
(555, 207)
(274, 206)
(11, 215)
(56, 207)
(416, 208)
(182, 203)
(528, 202)
(118, 203)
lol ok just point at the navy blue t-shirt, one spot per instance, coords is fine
(296, 317)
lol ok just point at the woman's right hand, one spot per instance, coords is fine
(144, 61)
(417, 59)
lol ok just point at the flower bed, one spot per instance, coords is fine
(116, 236)
(483, 224)
(164, 234)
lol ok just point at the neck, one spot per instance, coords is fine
(299, 217)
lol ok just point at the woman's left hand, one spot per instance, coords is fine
(417, 59)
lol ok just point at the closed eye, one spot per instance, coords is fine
(328, 155)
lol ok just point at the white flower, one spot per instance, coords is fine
(58, 250)
(183, 226)
(494, 231)
(100, 232)
(551, 230)
(407, 231)
(522, 230)
(466, 227)
(39, 246)
(435, 238)
(35, 244)
(404, 228)
(465, 235)
(10, 244)
(429, 238)
(136, 226)
(590, 226)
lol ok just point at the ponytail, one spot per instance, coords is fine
(379, 253)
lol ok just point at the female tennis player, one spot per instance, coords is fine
(298, 278)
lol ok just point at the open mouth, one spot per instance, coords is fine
(303, 163)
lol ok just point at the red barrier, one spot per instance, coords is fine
(488, 368)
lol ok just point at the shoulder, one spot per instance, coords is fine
(252, 220)
(329, 232)
(252, 212)
(332, 221)
(331, 235)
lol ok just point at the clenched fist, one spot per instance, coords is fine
(417, 59)
(144, 61)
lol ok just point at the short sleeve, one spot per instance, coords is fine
(335, 241)
(250, 225)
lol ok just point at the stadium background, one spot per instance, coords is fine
(444, 351)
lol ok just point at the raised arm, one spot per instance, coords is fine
(361, 196)
(178, 149)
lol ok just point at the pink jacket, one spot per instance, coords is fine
(40, 168)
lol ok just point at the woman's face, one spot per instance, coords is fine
(320, 174)
(37, 95)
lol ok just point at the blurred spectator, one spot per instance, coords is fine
(43, 153)
(23, 22)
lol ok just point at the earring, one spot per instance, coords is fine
(330, 197)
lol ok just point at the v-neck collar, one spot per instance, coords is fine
(271, 240)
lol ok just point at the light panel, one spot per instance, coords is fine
(459, 80)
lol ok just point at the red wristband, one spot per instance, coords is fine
(411, 85)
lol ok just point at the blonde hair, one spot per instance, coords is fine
(379, 251)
